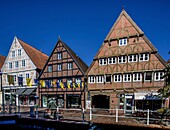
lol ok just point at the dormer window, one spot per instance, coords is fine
(123, 42)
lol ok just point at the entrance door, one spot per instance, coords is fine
(129, 103)
(100, 101)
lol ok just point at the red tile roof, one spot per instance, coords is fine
(2, 60)
(38, 58)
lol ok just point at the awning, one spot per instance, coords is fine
(28, 91)
(20, 91)
(145, 95)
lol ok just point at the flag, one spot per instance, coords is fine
(20, 81)
(82, 84)
(36, 81)
(78, 84)
(74, 86)
(61, 85)
(42, 83)
(48, 83)
(29, 81)
(68, 85)
(10, 79)
(58, 84)
(53, 82)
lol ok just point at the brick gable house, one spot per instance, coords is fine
(126, 70)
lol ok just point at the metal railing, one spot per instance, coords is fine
(86, 115)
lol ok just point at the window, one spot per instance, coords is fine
(27, 75)
(99, 79)
(118, 78)
(23, 63)
(126, 77)
(91, 79)
(112, 60)
(15, 78)
(50, 68)
(10, 65)
(59, 56)
(103, 61)
(144, 57)
(13, 53)
(137, 77)
(108, 78)
(19, 52)
(148, 76)
(16, 64)
(122, 59)
(59, 67)
(70, 65)
(158, 76)
(123, 42)
(132, 58)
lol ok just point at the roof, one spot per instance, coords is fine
(38, 58)
(2, 60)
(82, 65)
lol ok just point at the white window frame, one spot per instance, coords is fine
(117, 78)
(10, 65)
(59, 67)
(27, 75)
(70, 65)
(127, 77)
(59, 56)
(112, 60)
(137, 77)
(132, 58)
(123, 42)
(158, 76)
(19, 52)
(99, 79)
(23, 63)
(144, 57)
(103, 61)
(16, 64)
(91, 79)
(13, 53)
(122, 59)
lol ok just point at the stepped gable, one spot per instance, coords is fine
(2, 60)
(37, 57)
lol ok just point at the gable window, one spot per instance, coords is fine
(132, 58)
(103, 61)
(117, 78)
(144, 57)
(99, 79)
(137, 77)
(122, 59)
(13, 53)
(108, 78)
(23, 62)
(59, 67)
(50, 68)
(16, 64)
(59, 56)
(70, 65)
(123, 42)
(10, 65)
(19, 52)
(112, 60)
(158, 76)
(126, 77)
(148, 76)
(91, 79)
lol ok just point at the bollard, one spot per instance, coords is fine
(116, 114)
(83, 114)
(148, 117)
(90, 113)
(57, 114)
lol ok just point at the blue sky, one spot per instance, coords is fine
(81, 24)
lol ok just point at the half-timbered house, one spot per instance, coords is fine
(126, 71)
(63, 78)
(19, 73)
